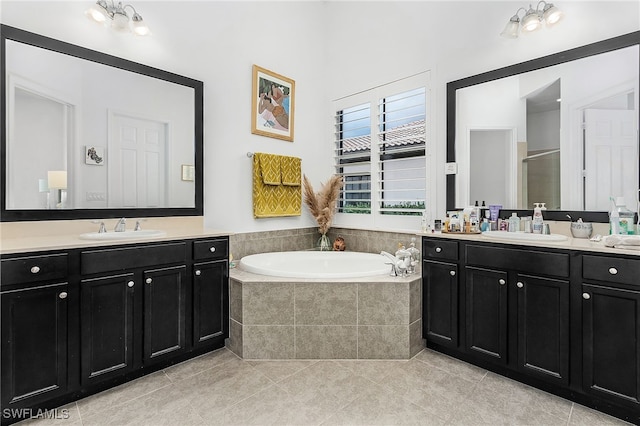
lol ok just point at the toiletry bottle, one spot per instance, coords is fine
(614, 219)
(625, 216)
(473, 220)
(514, 222)
(423, 223)
(538, 220)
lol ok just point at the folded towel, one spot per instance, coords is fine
(291, 171)
(621, 241)
(274, 200)
(269, 168)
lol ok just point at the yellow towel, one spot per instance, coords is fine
(291, 171)
(269, 168)
(274, 200)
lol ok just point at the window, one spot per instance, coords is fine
(388, 177)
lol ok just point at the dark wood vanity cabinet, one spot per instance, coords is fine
(562, 320)
(106, 327)
(440, 291)
(34, 345)
(611, 328)
(35, 296)
(87, 320)
(517, 309)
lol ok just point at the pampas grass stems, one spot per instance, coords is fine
(322, 205)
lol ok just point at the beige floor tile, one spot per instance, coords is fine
(436, 391)
(451, 365)
(381, 406)
(273, 406)
(166, 406)
(279, 370)
(526, 395)
(374, 370)
(326, 382)
(197, 365)
(123, 393)
(221, 387)
(67, 415)
(583, 416)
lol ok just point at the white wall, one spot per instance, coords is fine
(331, 49)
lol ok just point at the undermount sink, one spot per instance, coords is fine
(125, 235)
(523, 236)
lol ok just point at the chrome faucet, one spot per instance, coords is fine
(102, 229)
(396, 263)
(120, 226)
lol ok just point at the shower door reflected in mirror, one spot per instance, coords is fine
(565, 135)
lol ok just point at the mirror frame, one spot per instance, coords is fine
(608, 45)
(13, 215)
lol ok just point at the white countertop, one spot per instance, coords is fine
(24, 237)
(570, 243)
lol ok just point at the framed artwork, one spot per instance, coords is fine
(272, 104)
(94, 155)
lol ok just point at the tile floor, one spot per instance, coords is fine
(221, 389)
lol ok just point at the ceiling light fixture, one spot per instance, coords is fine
(117, 18)
(532, 19)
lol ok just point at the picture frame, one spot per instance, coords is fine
(272, 104)
(94, 155)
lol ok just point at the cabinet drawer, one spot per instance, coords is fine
(211, 249)
(34, 268)
(122, 258)
(612, 269)
(435, 248)
(528, 261)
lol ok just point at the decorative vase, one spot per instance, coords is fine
(323, 243)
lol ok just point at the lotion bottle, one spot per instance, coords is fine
(538, 220)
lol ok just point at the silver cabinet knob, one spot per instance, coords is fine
(438, 249)
(613, 271)
(586, 296)
(502, 282)
(198, 272)
(63, 295)
(148, 280)
(452, 273)
(130, 284)
(35, 269)
(519, 284)
(212, 249)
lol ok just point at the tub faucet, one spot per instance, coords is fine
(120, 226)
(397, 265)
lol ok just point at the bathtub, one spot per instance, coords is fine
(316, 264)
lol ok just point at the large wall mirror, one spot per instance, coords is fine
(90, 135)
(562, 129)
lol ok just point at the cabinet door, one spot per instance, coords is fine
(543, 327)
(611, 343)
(486, 314)
(164, 312)
(34, 345)
(210, 311)
(440, 304)
(106, 321)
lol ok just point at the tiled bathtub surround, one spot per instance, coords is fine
(306, 238)
(365, 318)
